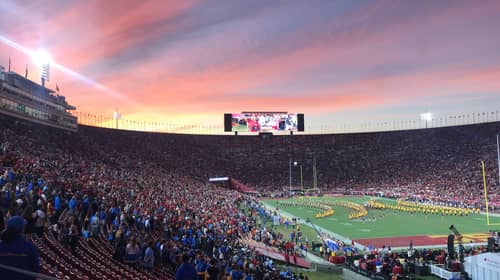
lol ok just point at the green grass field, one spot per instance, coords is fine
(389, 223)
(240, 128)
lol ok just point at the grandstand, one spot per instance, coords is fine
(107, 196)
(25, 99)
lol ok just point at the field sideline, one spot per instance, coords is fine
(389, 227)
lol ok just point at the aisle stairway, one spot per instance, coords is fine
(92, 260)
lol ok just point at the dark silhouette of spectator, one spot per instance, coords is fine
(15, 251)
(212, 270)
(186, 270)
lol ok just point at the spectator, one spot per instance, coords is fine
(212, 270)
(149, 258)
(16, 252)
(132, 251)
(39, 224)
(186, 270)
(73, 235)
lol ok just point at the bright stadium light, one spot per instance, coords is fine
(42, 57)
(43, 60)
(116, 116)
(427, 117)
(62, 68)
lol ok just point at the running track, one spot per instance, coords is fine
(419, 240)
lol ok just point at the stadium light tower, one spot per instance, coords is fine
(427, 117)
(43, 60)
(301, 178)
(290, 172)
(116, 116)
(498, 157)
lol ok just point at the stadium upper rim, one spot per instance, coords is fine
(126, 124)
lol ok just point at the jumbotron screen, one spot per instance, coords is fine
(264, 122)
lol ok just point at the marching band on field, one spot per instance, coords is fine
(412, 207)
(324, 205)
(360, 210)
(309, 203)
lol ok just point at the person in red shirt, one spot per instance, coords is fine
(397, 270)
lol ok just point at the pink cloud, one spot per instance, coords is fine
(87, 34)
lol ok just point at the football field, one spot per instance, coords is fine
(392, 227)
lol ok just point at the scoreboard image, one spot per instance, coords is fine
(263, 122)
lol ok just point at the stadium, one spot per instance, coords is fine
(264, 194)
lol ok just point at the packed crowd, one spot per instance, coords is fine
(441, 166)
(110, 186)
(73, 187)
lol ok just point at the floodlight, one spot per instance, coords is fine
(42, 58)
(426, 116)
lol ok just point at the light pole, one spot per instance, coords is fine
(116, 116)
(290, 173)
(301, 179)
(295, 163)
(290, 166)
(498, 157)
(427, 117)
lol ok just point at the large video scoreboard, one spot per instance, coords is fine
(263, 122)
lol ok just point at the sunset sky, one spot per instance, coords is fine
(335, 61)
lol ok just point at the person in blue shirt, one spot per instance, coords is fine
(72, 205)
(16, 252)
(149, 258)
(201, 266)
(236, 273)
(185, 271)
(57, 203)
(11, 175)
(94, 225)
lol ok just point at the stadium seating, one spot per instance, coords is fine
(153, 187)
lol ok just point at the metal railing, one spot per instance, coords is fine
(27, 273)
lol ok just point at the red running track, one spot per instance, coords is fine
(419, 240)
